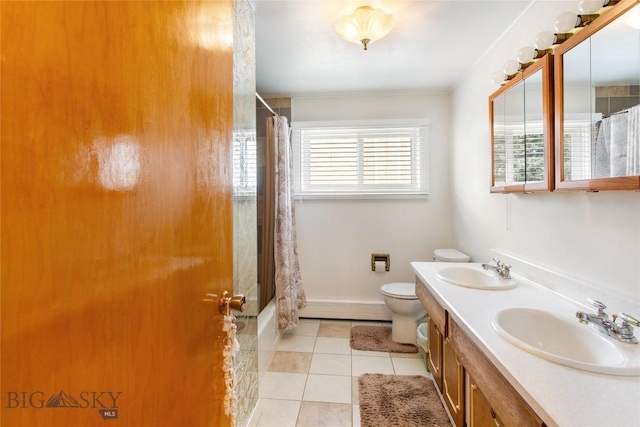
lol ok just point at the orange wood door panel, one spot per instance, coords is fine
(116, 212)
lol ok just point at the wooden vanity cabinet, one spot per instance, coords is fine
(504, 400)
(444, 364)
(434, 357)
(493, 401)
(436, 329)
(452, 379)
(480, 412)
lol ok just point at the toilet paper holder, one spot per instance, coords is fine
(381, 257)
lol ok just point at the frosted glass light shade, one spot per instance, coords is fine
(511, 67)
(545, 40)
(365, 25)
(590, 6)
(526, 55)
(566, 22)
(498, 77)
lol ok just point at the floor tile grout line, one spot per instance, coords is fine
(354, 405)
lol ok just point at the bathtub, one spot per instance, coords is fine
(268, 337)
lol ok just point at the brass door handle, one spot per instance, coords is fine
(228, 303)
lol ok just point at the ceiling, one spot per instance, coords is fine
(430, 49)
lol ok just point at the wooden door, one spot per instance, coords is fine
(116, 212)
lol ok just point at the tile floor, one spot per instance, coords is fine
(312, 380)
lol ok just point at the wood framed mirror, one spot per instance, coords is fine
(597, 104)
(521, 126)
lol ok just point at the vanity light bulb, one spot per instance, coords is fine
(511, 67)
(566, 21)
(526, 55)
(497, 77)
(590, 6)
(545, 40)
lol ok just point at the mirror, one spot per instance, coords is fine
(598, 104)
(508, 120)
(520, 116)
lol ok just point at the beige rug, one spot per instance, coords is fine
(377, 338)
(399, 401)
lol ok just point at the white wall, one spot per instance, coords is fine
(594, 237)
(336, 238)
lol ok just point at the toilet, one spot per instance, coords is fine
(450, 255)
(406, 309)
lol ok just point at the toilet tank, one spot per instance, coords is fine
(450, 255)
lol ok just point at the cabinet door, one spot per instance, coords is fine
(435, 353)
(521, 120)
(503, 398)
(480, 412)
(596, 80)
(453, 382)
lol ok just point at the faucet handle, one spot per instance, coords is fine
(506, 271)
(629, 319)
(598, 305)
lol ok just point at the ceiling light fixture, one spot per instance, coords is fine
(365, 25)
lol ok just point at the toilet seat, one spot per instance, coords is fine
(399, 290)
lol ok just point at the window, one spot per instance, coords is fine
(361, 160)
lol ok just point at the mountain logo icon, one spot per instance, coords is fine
(62, 400)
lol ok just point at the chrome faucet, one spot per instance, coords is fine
(501, 268)
(622, 331)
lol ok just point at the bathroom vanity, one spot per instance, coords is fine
(483, 379)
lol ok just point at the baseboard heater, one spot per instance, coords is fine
(345, 309)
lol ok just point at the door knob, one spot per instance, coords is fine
(228, 303)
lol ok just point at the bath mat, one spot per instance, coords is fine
(399, 401)
(377, 338)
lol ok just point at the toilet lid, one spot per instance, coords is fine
(400, 290)
(451, 255)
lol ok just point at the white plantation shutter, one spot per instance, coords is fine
(577, 138)
(361, 161)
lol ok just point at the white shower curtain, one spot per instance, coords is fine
(290, 297)
(618, 139)
(633, 145)
(617, 149)
(603, 155)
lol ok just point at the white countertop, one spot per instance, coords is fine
(560, 395)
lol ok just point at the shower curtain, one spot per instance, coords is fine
(290, 297)
(633, 146)
(618, 142)
(618, 145)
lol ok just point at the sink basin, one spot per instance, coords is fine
(566, 342)
(475, 278)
